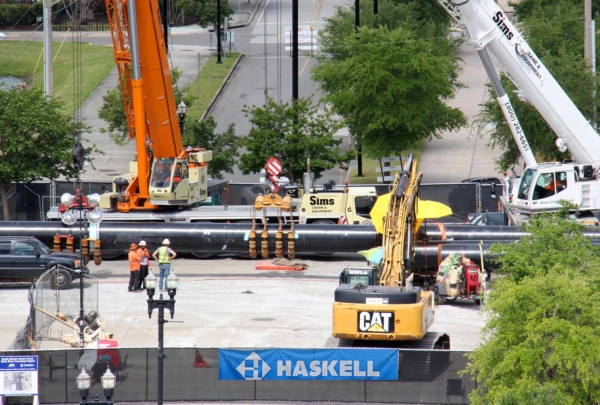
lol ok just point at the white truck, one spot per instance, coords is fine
(541, 186)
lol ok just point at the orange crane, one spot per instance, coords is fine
(164, 173)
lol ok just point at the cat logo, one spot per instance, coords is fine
(376, 322)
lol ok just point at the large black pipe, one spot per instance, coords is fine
(428, 256)
(203, 237)
(473, 232)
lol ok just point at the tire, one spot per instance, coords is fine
(61, 280)
(477, 301)
(202, 254)
(324, 222)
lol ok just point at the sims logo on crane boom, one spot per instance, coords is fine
(499, 19)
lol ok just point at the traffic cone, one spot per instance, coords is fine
(198, 360)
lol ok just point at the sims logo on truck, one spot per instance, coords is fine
(499, 19)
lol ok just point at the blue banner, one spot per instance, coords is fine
(308, 364)
(18, 363)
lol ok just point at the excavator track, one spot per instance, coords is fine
(418, 359)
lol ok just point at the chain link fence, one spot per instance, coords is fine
(50, 305)
(32, 201)
(184, 380)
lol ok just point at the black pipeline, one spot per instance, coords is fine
(202, 236)
(433, 232)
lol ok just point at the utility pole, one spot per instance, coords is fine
(48, 54)
(218, 30)
(165, 15)
(587, 44)
(357, 24)
(295, 50)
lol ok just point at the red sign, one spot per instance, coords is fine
(273, 166)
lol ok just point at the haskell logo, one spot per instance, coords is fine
(253, 367)
(308, 364)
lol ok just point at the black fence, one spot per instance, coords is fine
(184, 380)
(32, 201)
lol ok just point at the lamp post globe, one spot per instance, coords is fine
(94, 217)
(69, 218)
(151, 281)
(93, 199)
(66, 199)
(172, 282)
(108, 380)
(182, 108)
(83, 380)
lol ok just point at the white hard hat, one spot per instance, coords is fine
(142, 243)
(166, 242)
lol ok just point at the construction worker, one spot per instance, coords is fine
(134, 268)
(144, 262)
(164, 255)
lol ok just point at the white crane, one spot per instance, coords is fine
(541, 186)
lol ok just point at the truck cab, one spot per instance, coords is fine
(543, 187)
(348, 205)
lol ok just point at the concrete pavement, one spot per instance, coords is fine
(224, 302)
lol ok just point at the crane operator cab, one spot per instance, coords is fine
(181, 180)
(543, 187)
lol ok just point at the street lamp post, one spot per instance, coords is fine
(85, 207)
(181, 109)
(160, 304)
(108, 383)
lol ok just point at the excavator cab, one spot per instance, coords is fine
(359, 275)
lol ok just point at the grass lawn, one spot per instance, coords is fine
(369, 166)
(208, 86)
(20, 59)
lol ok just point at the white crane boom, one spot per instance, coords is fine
(489, 28)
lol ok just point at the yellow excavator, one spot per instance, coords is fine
(379, 305)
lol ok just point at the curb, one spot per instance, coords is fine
(221, 87)
(240, 25)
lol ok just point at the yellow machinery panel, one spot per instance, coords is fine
(382, 321)
(201, 157)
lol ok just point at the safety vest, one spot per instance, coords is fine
(163, 255)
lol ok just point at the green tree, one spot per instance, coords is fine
(542, 329)
(224, 145)
(205, 10)
(113, 110)
(291, 133)
(35, 140)
(390, 85)
(524, 8)
(554, 30)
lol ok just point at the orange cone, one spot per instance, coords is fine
(198, 360)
